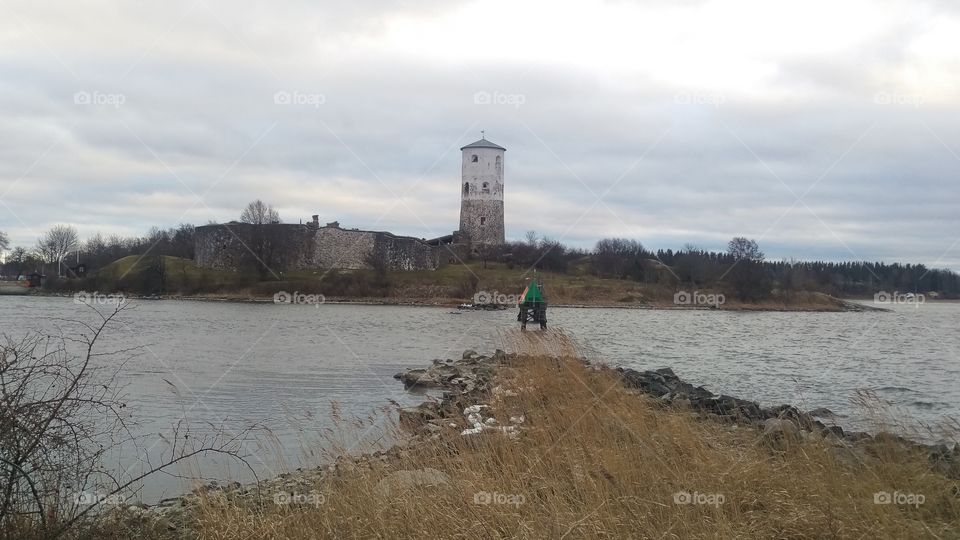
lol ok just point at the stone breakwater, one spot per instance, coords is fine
(470, 392)
(468, 382)
(778, 425)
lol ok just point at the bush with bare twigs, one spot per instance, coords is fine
(61, 415)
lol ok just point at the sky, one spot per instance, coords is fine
(824, 130)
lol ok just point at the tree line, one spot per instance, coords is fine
(743, 269)
(60, 247)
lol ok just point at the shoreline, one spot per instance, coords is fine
(843, 305)
(474, 388)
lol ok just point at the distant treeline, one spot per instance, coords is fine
(741, 270)
(97, 251)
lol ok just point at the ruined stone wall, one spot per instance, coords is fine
(342, 248)
(405, 253)
(282, 247)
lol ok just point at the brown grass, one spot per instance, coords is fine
(594, 460)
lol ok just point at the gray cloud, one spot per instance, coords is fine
(198, 132)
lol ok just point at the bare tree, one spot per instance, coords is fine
(259, 213)
(741, 248)
(17, 260)
(4, 241)
(56, 243)
(531, 238)
(60, 416)
(265, 242)
(618, 257)
(747, 276)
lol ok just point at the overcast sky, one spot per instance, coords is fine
(823, 129)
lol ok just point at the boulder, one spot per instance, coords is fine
(661, 382)
(413, 418)
(835, 431)
(729, 406)
(822, 412)
(789, 412)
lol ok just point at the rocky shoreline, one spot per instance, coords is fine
(468, 389)
(775, 425)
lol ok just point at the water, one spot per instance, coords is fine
(233, 364)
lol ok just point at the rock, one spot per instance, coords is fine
(469, 354)
(822, 412)
(789, 412)
(667, 372)
(857, 436)
(835, 431)
(681, 402)
(405, 480)
(661, 382)
(413, 418)
(729, 406)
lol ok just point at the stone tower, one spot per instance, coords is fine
(481, 193)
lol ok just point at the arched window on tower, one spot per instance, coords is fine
(474, 159)
(466, 188)
(499, 165)
(486, 188)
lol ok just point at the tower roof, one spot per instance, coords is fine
(483, 143)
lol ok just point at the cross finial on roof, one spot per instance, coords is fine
(483, 134)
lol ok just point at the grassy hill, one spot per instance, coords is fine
(450, 285)
(159, 275)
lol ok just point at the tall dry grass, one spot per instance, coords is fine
(595, 460)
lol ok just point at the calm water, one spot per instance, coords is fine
(283, 365)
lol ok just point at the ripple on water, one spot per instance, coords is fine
(268, 362)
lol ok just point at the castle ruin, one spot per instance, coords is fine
(290, 246)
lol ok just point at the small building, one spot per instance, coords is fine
(77, 271)
(35, 280)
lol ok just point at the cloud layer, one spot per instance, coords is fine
(824, 131)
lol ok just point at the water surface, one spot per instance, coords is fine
(289, 367)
